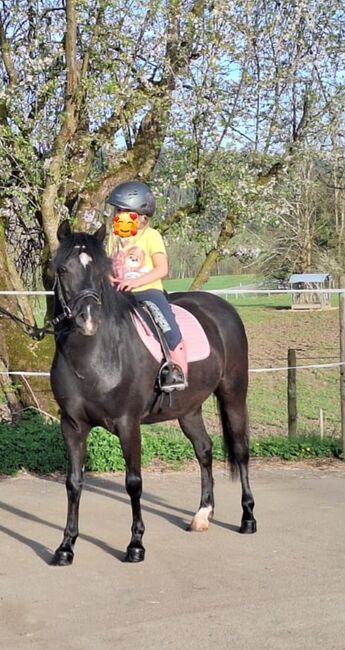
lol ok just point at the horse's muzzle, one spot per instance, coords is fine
(87, 320)
(85, 310)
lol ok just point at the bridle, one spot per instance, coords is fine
(70, 306)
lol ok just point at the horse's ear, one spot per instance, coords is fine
(100, 233)
(64, 230)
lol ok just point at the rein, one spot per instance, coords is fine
(38, 333)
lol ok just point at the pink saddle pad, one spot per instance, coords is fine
(197, 344)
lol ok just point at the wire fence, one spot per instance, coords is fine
(223, 292)
(267, 397)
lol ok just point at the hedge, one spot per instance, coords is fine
(35, 444)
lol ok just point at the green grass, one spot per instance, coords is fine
(267, 403)
(266, 301)
(316, 388)
(215, 282)
(241, 300)
(36, 445)
(301, 447)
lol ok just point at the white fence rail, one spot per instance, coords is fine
(239, 290)
(236, 292)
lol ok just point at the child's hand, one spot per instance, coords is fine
(126, 285)
(112, 280)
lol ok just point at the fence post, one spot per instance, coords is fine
(292, 393)
(321, 424)
(342, 357)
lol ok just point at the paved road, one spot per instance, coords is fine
(283, 588)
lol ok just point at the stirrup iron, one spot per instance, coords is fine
(178, 383)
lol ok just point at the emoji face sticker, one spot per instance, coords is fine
(125, 224)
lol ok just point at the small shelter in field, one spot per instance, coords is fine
(314, 299)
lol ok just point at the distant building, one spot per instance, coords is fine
(315, 299)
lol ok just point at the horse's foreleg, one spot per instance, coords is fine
(76, 445)
(131, 448)
(193, 427)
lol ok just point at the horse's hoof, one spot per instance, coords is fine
(248, 526)
(135, 554)
(62, 558)
(198, 526)
(200, 522)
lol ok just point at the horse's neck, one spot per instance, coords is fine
(93, 352)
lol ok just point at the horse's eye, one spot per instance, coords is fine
(62, 270)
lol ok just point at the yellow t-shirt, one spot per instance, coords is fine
(136, 254)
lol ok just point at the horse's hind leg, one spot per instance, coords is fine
(234, 419)
(193, 427)
(75, 440)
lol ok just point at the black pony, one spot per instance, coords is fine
(102, 374)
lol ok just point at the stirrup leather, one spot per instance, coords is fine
(166, 382)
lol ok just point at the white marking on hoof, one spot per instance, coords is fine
(85, 259)
(200, 521)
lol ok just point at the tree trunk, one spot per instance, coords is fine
(17, 351)
(17, 285)
(9, 400)
(227, 231)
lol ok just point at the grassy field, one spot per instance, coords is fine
(272, 327)
(215, 282)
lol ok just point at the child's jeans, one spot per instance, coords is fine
(168, 324)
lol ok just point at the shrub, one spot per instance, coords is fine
(33, 444)
(36, 444)
(294, 448)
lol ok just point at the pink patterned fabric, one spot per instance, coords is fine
(118, 266)
(197, 344)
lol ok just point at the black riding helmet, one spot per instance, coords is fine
(133, 195)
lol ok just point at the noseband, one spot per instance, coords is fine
(69, 306)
